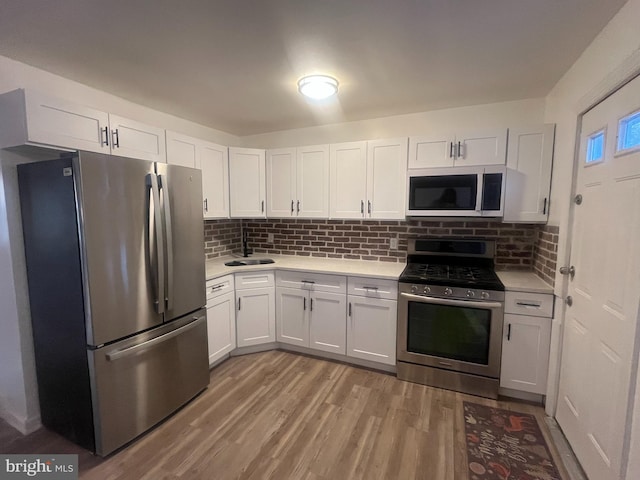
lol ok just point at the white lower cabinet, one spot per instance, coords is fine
(311, 311)
(255, 309)
(525, 343)
(221, 318)
(372, 320)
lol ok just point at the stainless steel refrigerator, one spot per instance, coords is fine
(114, 250)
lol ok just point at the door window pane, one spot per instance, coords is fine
(595, 147)
(629, 132)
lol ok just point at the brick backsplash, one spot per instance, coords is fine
(545, 253)
(222, 237)
(369, 240)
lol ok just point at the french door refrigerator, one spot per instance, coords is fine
(114, 249)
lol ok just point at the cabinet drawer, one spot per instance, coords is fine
(219, 286)
(254, 280)
(523, 303)
(373, 288)
(316, 282)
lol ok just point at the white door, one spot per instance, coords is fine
(327, 324)
(431, 151)
(348, 167)
(312, 173)
(600, 326)
(281, 182)
(213, 160)
(255, 316)
(221, 326)
(386, 179)
(481, 147)
(525, 353)
(137, 140)
(182, 150)
(247, 182)
(52, 121)
(371, 329)
(291, 316)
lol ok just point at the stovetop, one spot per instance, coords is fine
(472, 276)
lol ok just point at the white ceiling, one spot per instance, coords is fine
(233, 64)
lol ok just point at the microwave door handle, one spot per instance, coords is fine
(450, 302)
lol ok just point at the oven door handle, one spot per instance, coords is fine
(455, 303)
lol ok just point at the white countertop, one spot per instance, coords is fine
(386, 270)
(524, 282)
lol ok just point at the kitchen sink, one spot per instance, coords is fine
(249, 261)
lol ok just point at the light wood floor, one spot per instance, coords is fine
(285, 416)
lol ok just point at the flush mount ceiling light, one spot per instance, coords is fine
(318, 87)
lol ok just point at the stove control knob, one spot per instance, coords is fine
(426, 290)
(448, 291)
(414, 289)
(484, 295)
(471, 293)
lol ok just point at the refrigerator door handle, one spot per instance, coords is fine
(155, 241)
(129, 351)
(168, 229)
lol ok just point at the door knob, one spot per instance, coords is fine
(571, 271)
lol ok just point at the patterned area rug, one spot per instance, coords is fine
(505, 445)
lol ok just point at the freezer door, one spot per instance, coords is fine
(121, 245)
(140, 381)
(181, 199)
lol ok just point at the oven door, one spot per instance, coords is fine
(458, 335)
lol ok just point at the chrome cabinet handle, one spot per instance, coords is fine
(206, 205)
(291, 206)
(311, 307)
(115, 138)
(105, 130)
(304, 303)
(544, 207)
(349, 308)
(239, 304)
(450, 149)
(362, 207)
(369, 206)
(298, 207)
(509, 332)
(262, 206)
(459, 151)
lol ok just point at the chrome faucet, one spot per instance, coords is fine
(245, 244)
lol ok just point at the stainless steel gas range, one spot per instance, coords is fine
(450, 316)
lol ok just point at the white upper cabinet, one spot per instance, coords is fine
(368, 179)
(247, 183)
(312, 181)
(298, 182)
(386, 178)
(213, 160)
(529, 159)
(31, 118)
(348, 166)
(136, 140)
(28, 117)
(467, 148)
(281, 183)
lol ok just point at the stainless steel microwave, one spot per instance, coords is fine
(456, 192)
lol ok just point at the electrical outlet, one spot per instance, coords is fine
(269, 237)
(393, 243)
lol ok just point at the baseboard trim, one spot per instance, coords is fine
(24, 425)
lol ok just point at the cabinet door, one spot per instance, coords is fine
(348, 168)
(431, 151)
(525, 353)
(56, 122)
(247, 171)
(137, 140)
(255, 316)
(281, 182)
(312, 175)
(213, 160)
(371, 329)
(529, 159)
(386, 179)
(291, 316)
(181, 150)
(221, 326)
(327, 322)
(481, 147)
